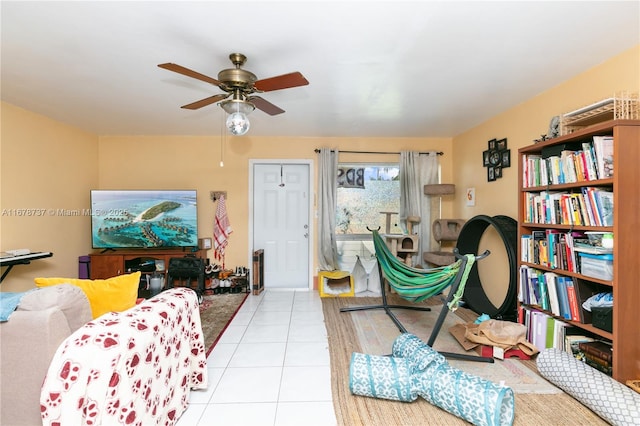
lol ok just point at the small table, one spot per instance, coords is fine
(23, 259)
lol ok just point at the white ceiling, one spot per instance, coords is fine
(405, 69)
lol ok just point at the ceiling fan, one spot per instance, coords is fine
(240, 85)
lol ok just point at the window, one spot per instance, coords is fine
(364, 191)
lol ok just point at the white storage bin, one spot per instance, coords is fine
(597, 265)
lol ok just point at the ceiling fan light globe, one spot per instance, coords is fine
(236, 105)
(238, 124)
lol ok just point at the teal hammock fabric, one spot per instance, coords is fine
(415, 284)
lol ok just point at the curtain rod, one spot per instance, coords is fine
(374, 152)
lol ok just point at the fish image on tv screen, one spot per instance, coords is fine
(144, 219)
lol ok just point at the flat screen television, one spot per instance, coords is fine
(143, 219)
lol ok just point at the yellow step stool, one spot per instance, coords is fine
(338, 283)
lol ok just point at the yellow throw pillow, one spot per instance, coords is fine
(115, 294)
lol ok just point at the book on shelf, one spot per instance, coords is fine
(533, 170)
(600, 361)
(590, 160)
(538, 238)
(543, 171)
(572, 258)
(523, 282)
(539, 325)
(553, 241)
(576, 213)
(598, 364)
(563, 298)
(563, 262)
(525, 242)
(550, 282)
(598, 349)
(605, 202)
(543, 252)
(550, 340)
(589, 207)
(572, 342)
(574, 306)
(567, 170)
(603, 147)
(561, 329)
(579, 166)
(584, 170)
(543, 299)
(585, 215)
(529, 285)
(535, 288)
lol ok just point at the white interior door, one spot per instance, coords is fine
(281, 223)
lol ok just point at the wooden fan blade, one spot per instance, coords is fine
(284, 81)
(264, 105)
(189, 73)
(206, 101)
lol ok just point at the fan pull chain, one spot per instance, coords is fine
(222, 141)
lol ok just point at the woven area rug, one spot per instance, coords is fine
(216, 312)
(348, 332)
(376, 333)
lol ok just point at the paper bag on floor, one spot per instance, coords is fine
(458, 331)
(501, 334)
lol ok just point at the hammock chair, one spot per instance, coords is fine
(416, 285)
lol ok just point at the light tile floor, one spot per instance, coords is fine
(270, 367)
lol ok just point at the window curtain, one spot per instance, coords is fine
(417, 170)
(327, 200)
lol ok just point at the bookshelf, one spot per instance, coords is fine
(550, 206)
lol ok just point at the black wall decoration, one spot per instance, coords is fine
(496, 158)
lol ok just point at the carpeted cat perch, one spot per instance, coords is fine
(415, 369)
(611, 400)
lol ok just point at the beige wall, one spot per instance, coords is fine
(48, 166)
(192, 162)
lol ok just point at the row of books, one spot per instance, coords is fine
(560, 295)
(592, 206)
(558, 250)
(589, 160)
(544, 331)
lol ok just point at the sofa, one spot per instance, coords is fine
(45, 317)
(135, 367)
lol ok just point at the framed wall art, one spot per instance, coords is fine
(495, 158)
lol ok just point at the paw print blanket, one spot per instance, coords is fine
(135, 367)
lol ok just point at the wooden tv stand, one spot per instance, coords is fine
(112, 263)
